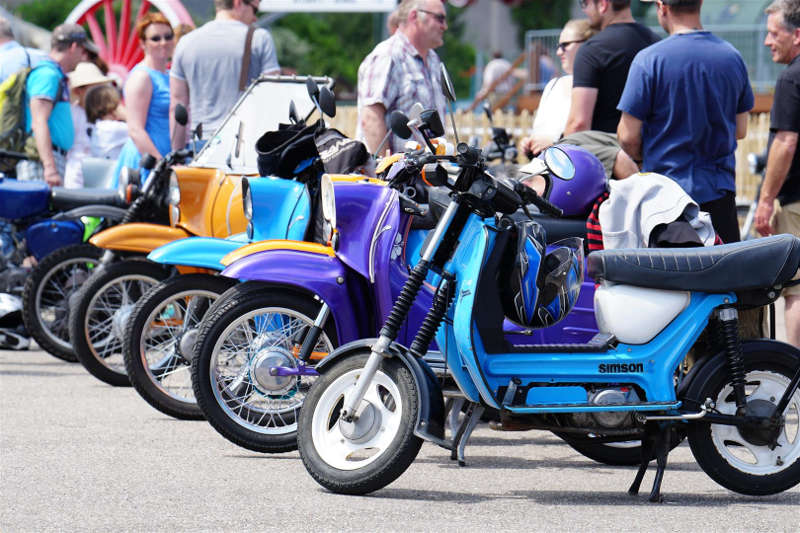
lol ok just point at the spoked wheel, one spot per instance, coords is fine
(249, 330)
(118, 44)
(47, 292)
(101, 311)
(372, 451)
(160, 337)
(742, 460)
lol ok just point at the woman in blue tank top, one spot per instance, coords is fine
(147, 94)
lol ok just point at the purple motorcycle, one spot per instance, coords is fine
(248, 374)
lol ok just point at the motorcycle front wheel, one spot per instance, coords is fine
(251, 328)
(46, 296)
(738, 459)
(160, 337)
(375, 449)
(100, 312)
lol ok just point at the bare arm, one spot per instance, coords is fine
(178, 94)
(373, 124)
(581, 110)
(629, 133)
(741, 125)
(779, 161)
(139, 91)
(41, 108)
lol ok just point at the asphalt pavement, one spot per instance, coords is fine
(79, 455)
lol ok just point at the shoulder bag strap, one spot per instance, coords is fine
(248, 44)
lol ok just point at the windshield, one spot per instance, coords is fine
(263, 106)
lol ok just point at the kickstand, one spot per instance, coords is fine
(453, 410)
(656, 439)
(474, 412)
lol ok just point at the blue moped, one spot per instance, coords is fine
(364, 419)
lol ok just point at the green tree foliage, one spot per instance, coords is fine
(541, 15)
(334, 44)
(45, 13)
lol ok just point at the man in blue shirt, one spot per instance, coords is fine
(684, 106)
(47, 111)
(14, 56)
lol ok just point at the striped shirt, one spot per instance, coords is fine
(395, 75)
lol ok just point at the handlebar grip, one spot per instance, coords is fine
(506, 200)
(545, 206)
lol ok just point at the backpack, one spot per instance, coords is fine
(12, 117)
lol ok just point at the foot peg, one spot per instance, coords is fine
(656, 440)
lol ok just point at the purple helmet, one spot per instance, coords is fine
(576, 196)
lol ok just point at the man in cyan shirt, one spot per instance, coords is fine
(47, 112)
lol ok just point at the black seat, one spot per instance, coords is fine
(741, 266)
(65, 199)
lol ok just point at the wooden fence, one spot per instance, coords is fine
(469, 124)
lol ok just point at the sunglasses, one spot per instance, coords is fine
(439, 17)
(253, 5)
(157, 38)
(563, 46)
(583, 3)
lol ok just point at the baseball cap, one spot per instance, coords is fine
(675, 2)
(73, 33)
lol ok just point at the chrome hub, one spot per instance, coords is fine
(260, 375)
(120, 320)
(186, 344)
(366, 424)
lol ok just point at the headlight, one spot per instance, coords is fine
(328, 200)
(174, 214)
(247, 200)
(174, 190)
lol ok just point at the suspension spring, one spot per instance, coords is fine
(133, 210)
(403, 303)
(729, 335)
(443, 298)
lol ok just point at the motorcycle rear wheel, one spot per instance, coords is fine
(723, 452)
(46, 296)
(370, 453)
(160, 331)
(249, 326)
(99, 314)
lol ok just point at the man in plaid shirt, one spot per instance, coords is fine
(401, 71)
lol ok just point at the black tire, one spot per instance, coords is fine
(627, 453)
(253, 416)
(45, 308)
(396, 448)
(161, 373)
(722, 452)
(100, 311)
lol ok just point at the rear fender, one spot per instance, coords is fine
(202, 252)
(137, 237)
(311, 273)
(430, 422)
(688, 392)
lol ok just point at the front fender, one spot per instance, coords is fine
(313, 273)
(430, 422)
(137, 237)
(202, 252)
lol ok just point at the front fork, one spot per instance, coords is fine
(401, 307)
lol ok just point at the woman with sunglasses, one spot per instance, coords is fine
(551, 115)
(147, 93)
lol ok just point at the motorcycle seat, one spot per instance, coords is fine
(742, 266)
(65, 199)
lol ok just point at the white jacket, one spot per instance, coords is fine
(638, 204)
